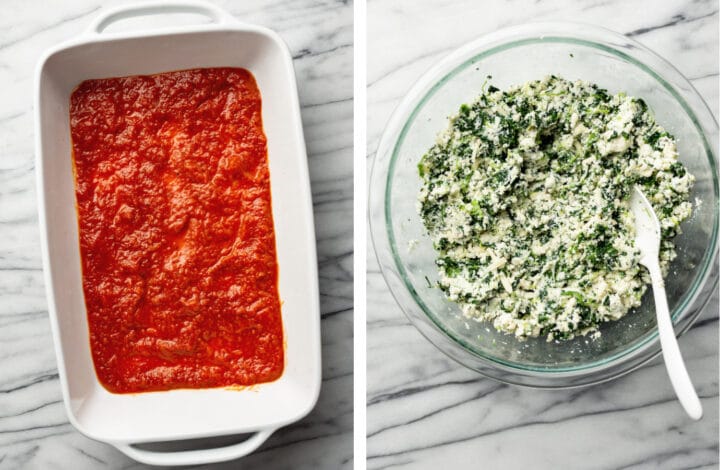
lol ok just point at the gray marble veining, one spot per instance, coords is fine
(34, 432)
(426, 411)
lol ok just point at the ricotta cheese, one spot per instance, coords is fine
(526, 198)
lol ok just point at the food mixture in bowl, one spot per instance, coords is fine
(526, 199)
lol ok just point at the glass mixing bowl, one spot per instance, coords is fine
(514, 56)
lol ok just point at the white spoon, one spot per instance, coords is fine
(647, 240)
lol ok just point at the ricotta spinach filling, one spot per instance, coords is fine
(525, 196)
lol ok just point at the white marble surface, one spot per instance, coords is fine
(424, 410)
(34, 432)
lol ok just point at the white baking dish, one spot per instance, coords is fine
(126, 419)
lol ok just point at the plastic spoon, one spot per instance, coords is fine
(647, 240)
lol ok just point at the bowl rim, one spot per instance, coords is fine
(580, 34)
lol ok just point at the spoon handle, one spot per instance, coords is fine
(671, 351)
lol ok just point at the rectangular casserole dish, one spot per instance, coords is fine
(125, 419)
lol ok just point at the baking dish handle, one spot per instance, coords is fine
(111, 15)
(196, 457)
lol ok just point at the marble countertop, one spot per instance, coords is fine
(34, 431)
(426, 411)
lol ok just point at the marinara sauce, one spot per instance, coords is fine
(176, 230)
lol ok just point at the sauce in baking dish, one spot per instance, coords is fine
(176, 230)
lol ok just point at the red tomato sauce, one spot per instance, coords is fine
(176, 230)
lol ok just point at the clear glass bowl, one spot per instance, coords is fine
(514, 56)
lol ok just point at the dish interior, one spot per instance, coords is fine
(571, 59)
(178, 414)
